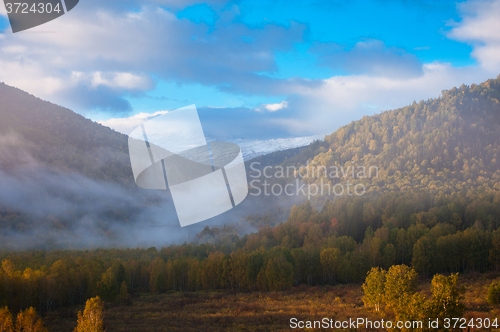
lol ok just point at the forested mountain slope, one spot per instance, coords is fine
(66, 181)
(435, 203)
(443, 145)
(59, 138)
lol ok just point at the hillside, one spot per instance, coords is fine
(438, 176)
(66, 181)
(441, 146)
(59, 138)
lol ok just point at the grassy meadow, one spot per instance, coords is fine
(258, 311)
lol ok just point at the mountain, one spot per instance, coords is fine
(253, 148)
(66, 181)
(434, 205)
(58, 138)
(441, 146)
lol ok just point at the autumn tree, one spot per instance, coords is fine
(446, 297)
(6, 320)
(157, 271)
(210, 271)
(123, 296)
(401, 282)
(493, 296)
(28, 321)
(108, 287)
(400, 294)
(279, 273)
(262, 282)
(374, 287)
(254, 265)
(239, 269)
(91, 320)
(423, 254)
(194, 275)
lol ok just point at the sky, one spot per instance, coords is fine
(266, 69)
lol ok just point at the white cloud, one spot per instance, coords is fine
(338, 101)
(344, 98)
(341, 99)
(30, 76)
(14, 49)
(126, 81)
(126, 125)
(480, 27)
(276, 107)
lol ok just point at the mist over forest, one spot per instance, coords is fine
(67, 183)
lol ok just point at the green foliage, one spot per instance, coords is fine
(411, 307)
(255, 262)
(396, 289)
(279, 273)
(435, 207)
(330, 261)
(440, 146)
(91, 320)
(494, 293)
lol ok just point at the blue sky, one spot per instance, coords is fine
(295, 68)
(417, 28)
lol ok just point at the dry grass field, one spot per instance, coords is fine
(257, 311)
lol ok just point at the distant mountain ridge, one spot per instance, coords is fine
(430, 152)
